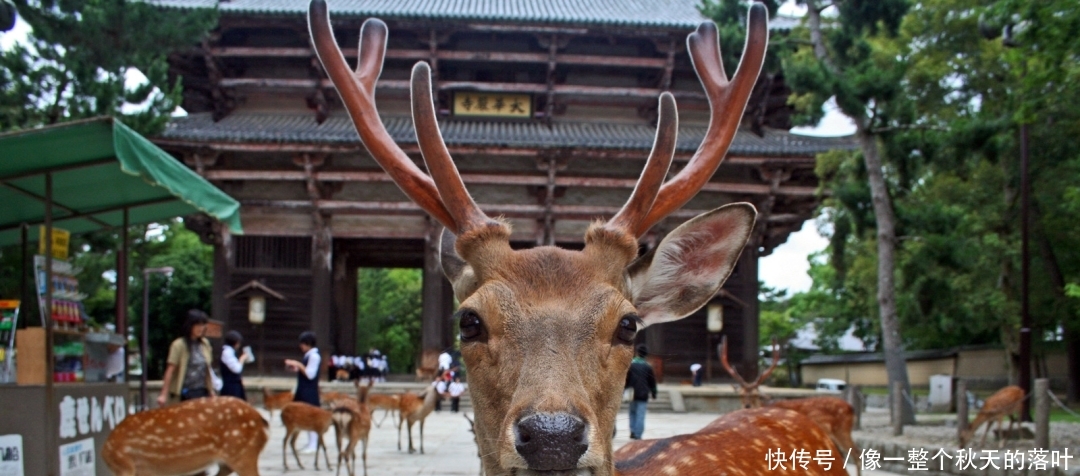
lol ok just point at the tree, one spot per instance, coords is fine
(79, 54)
(389, 314)
(854, 59)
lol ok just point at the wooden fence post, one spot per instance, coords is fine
(1042, 413)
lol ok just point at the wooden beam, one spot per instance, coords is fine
(492, 56)
(497, 179)
(528, 88)
(565, 212)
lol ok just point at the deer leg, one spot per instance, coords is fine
(322, 446)
(989, 426)
(340, 454)
(292, 444)
(409, 430)
(284, 453)
(400, 426)
(223, 470)
(422, 435)
(363, 456)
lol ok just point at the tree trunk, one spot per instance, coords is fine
(893, 346)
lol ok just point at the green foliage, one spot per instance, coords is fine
(389, 314)
(79, 53)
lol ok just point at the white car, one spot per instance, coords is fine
(830, 385)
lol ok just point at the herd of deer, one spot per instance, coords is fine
(547, 333)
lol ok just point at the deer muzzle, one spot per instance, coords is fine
(551, 441)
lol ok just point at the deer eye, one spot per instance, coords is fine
(472, 328)
(627, 330)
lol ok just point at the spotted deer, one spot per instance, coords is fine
(300, 416)
(548, 333)
(834, 415)
(740, 441)
(187, 437)
(1003, 403)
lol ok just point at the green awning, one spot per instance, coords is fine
(99, 167)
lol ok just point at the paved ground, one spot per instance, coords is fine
(449, 447)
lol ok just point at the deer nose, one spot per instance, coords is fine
(551, 441)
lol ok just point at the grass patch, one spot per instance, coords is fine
(1061, 416)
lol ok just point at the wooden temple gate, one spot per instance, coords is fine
(549, 119)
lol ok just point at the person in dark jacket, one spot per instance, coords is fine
(307, 379)
(231, 366)
(640, 377)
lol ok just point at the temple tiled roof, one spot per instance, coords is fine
(677, 14)
(301, 128)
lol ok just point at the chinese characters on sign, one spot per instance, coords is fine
(493, 104)
(920, 459)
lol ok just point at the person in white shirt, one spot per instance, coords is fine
(444, 361)
(441, 386)
(455, 389)
(307, 379)
(231, 366)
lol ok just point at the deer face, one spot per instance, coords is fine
(547, 333)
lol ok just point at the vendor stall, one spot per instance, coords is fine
(79, 177)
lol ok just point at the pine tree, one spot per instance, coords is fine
(75, 62)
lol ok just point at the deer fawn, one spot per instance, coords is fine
(297, 417)
(352, 419)
(414, 408)
(749, 393)
(187, 437)
(738, 441)
(548, 333)
(275, 401)
(389, 403)
(1003, 403)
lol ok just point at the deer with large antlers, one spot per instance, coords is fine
(187, 437)
(1006, 402)
(749, 393)
(572, 316)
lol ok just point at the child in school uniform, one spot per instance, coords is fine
(456, 388)
(307, 379)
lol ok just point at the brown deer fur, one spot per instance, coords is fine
(736, 443)
(388, 402)
(352, 420)
(187, 437)
(1006, 402)
(297, 417)
(275, 401)
(415, 408)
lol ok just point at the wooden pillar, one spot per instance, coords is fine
(438, 301)
(322, 292)
(748, 290)
(219, 305)
(344, 322)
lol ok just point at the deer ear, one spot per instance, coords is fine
(460, 274)
(690, 264)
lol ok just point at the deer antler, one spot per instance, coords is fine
(357, 90)
(656, 169)
(726, 97)
(727, 366)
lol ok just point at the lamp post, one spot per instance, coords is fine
(167, 271)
